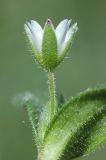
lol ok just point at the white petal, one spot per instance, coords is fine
(34, 39)
(36, 25)
(60, 32)
(30, 35)
(70, 33)
(36, 33)
(28, 32)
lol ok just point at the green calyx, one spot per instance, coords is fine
(49, 47)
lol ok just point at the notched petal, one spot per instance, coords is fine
(36, 25)
(36, 34)
(61, 32)
(28, 32)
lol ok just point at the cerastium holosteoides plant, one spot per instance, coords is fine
(70, 129)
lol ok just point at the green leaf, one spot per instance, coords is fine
(33, 109)
(44, 121)
(78, 128)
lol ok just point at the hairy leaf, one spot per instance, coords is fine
(33, 110)
(78, 128)
(44, 121)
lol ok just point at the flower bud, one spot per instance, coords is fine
(50, 45)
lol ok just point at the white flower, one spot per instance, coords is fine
(50, 39)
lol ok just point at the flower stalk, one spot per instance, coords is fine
(51, 84)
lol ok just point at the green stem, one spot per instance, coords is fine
(51, 83)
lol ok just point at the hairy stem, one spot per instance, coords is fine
(51, 83)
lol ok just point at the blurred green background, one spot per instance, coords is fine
(19, 73)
